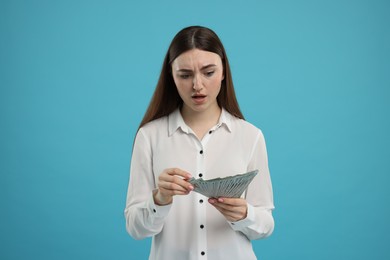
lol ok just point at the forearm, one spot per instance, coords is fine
(145, 219)
(258, 224)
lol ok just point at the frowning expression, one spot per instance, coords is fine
(198, 75)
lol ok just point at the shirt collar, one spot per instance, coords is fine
(176, 121)
(226, 120)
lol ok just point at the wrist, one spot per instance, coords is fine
(161, 200)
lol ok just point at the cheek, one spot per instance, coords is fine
(216, 85)
(181, 87)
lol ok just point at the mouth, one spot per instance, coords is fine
(198, 98)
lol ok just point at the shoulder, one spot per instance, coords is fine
(243, 127)
(249, 134)
(155, 126)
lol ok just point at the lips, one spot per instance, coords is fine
(198, 98)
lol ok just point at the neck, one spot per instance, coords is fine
(201, 119)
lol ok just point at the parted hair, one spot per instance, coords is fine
(166, 98)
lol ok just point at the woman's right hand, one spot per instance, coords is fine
(172, 182)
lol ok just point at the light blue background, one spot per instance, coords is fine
(77, 76)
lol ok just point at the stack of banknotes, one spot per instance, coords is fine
(227, 187)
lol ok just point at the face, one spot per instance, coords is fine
(198, 75)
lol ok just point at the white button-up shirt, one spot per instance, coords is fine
(190, 227)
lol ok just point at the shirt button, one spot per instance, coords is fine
(202, 253)
(200, 175)
(201, 226)
(154, 210)
(200, 201)
(201, 152)
(210, 132)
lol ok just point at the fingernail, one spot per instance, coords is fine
(220, 199)
(191, 187)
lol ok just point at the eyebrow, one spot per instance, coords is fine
(203, 68)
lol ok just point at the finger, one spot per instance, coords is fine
(230, 215)
(179, 172)
(226, 208)
(212, 200)
(175, 181)
(167, 178)
(222, 209)
(221, 206)
(183, 183)
(217, 203)
(167, 192)
(172, 186)
(232, 201)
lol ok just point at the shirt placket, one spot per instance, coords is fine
(202, 200)
(201, 204)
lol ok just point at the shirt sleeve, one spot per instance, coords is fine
(143, 217)
(259, 222)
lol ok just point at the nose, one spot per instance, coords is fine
(197, 83)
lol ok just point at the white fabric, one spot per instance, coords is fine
(231, 147)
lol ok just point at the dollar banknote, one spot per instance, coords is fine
(228, 187)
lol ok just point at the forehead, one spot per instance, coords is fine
(195, 58)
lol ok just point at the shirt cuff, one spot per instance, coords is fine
(243, 223)
(156, 210)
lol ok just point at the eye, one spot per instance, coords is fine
(210, 73)
(184, 76)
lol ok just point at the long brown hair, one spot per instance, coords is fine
(166, 98)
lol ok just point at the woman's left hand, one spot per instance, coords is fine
(234, 209)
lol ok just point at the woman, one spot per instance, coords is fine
(194, 127)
